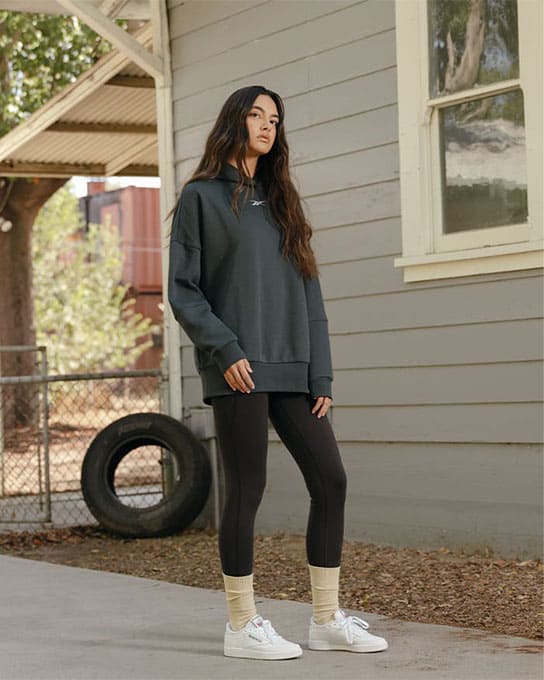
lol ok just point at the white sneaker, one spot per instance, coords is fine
(346, 633)
(258, 640)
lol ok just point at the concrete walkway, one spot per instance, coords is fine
(67, 623)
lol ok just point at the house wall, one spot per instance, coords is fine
(438, 385)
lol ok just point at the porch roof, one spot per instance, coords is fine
(102, 124)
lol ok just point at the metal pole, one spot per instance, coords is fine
(167, 463)
(167, 469)
(2, 473)
(45, 396)
(37, 413)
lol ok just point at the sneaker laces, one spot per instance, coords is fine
(269, 629)
(348, 622)
(262, 628)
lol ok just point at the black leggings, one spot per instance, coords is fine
(241, 421)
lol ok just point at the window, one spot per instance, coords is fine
(470, 76)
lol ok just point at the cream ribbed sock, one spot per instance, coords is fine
(240, 599)
(324, 582)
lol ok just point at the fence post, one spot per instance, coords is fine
(167, 464)
(2, 482)
(45, 397)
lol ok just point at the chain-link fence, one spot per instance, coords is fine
(46, 425)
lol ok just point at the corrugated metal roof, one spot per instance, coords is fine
(124, 103)
(133, 70)
(116, 105)
(59, 147)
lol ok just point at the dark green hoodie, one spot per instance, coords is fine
(236, 296)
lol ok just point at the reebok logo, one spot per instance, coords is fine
(253, 202)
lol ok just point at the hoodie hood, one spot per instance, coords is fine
(229, 173)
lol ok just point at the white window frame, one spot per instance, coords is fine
(427, 253)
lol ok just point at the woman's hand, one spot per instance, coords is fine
(237, 376)
(321, 406)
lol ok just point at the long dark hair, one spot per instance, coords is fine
(229, 138)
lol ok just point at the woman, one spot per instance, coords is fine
(243, 284)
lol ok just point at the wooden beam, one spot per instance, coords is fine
(16, 169)
(129, 153)
(133, 9)
(104, 128)
(23, 169)
(74, 93)
(138, 170)
(112, 8)
(132, 81)
(123, 41)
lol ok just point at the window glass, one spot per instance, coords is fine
(471, 43)
(484, 174)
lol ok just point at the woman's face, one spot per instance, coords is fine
(261, 122)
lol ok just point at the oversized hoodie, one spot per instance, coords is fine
(237, 296)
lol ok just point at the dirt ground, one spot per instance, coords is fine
(441, 587)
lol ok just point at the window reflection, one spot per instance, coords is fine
(484, 174)
(471, 43)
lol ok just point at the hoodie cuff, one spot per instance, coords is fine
(321, 387)
(228, 355)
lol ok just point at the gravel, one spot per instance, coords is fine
(440, 587)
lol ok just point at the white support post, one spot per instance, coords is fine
(165, 132)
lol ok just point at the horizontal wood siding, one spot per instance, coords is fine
(443, 376)
(468, 496)
(242, 54)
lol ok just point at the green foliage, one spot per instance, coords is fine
(39, 55)
(82, 314)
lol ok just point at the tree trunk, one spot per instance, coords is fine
(463, 75)
(20, 202)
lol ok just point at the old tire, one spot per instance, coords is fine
(188, 493)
